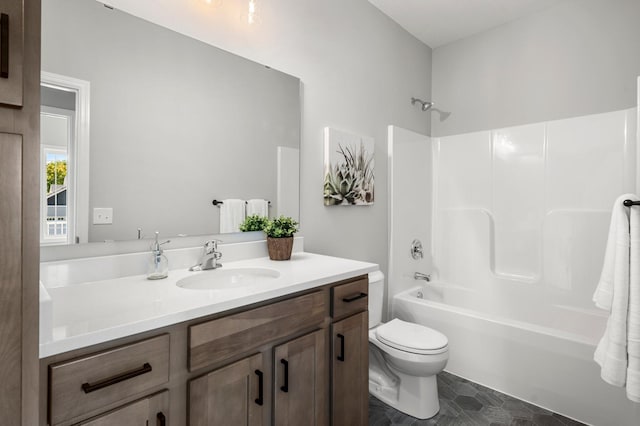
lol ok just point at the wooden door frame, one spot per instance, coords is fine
(25, 121)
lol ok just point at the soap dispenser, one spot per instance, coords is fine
(158, 267)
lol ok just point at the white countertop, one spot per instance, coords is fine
(98, 311)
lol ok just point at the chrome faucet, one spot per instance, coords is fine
(210, 257)
(421, 276)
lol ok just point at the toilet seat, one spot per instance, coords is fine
(412, 338)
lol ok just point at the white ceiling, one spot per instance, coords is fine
(439, 22)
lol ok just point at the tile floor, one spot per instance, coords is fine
(464, 403)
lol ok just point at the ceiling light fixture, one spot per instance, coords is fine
(252, 15)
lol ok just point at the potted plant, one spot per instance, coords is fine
(254, 222)
(280, 237)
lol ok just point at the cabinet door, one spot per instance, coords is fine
(151, 411)
(11, 52)
(301, 381)
(232, 395)
(350, 371)
(10, 275)
(19, 190)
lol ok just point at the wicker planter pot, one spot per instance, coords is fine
(280, 248)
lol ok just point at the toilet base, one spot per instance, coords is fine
(415, 396)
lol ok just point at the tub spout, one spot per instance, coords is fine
(421, 276)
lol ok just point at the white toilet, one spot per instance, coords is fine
(404, 359)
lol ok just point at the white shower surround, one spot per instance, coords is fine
(522, 203)
(519, 221)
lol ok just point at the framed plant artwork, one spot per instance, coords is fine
(348, 169)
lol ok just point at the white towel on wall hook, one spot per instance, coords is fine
(618, 291)
(232, 213)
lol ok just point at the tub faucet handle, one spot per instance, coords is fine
(416, 250)
(421, 276)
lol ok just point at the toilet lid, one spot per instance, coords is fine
(410, 337)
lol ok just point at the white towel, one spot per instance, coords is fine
(258, 206)
(633, 330)
(232, 213)
(618, 352)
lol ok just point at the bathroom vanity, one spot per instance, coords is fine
(290, 350)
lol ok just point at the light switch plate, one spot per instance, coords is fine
(102, 216)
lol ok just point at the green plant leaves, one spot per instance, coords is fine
(253, 223)
(281, 227)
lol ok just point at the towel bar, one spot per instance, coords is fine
(629, 203)
(217, 203)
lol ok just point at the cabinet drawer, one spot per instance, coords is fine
(216, 340)
(350, 298)
(84, 384)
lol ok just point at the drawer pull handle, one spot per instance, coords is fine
(88, 388)
(354, 298)
(4, 45)
(341, 356)
(260, 399)
(161, 419)
(285, 387)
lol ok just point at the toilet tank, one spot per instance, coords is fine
(376, 297)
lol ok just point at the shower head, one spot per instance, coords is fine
(425, 105)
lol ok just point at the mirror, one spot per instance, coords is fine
(172, 124)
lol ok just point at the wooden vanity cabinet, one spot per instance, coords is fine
(280, 362)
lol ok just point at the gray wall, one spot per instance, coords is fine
(175, 122)
(359, 70)
(359, 74)
(580, 57)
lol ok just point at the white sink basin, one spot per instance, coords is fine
(228, 279)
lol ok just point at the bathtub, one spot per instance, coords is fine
(539, 353)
